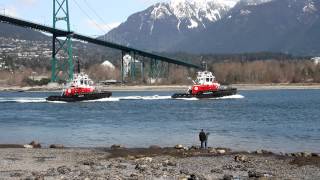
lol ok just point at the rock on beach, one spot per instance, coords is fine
(56, 146)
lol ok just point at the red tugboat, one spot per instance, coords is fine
(206, 86)
(80, 89)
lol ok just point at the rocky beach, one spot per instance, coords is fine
(117, 162)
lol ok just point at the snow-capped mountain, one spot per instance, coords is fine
(164, 22)
(289, 26)
(193, 13)
(224, 26)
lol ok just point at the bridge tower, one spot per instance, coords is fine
(62, 62)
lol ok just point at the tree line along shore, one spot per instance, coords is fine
(169, 88)
(246, 68)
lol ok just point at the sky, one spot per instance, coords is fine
(88, 17)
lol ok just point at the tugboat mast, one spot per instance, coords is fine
(78, 66)
(204, 64)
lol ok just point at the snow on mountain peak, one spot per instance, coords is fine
(191, 14)
(195, 12)
(204, 3)
(160, 11)
(254, 2)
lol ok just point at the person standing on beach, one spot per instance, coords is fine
(202, 138)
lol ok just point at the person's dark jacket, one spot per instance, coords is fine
(202, 136)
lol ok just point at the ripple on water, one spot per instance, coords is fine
(285, 120)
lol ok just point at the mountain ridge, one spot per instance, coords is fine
(283, 26)
(238, 26)
(287, 26)
(11, 31)
(173, 20)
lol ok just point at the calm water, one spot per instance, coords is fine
(278, 120)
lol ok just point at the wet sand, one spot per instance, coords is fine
(154, 163)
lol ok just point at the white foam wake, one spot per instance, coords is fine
(155, 97)
(57, 102)
(236, 96)
(188, 99)
(110, 99)
(23, 100)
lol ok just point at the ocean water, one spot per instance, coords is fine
(277, 120)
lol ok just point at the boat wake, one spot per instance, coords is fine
(111, 99)
(23, 100)
(188, 99)
(155, 97)
(57, 102)
(236, 96)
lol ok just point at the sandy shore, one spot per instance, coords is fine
(154, 163)
(181, 88)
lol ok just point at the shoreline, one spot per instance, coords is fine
(128, 88)
(154, 162)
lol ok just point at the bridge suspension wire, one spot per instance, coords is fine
(64, 33)
(88, 16)
(97, 15)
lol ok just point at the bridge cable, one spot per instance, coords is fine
(101, 19)
(97, 15)
(88, 16)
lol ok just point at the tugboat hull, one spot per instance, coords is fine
(83, 97)
(209, 94)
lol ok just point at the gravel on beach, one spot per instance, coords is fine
(154, 163)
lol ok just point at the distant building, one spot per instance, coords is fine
(128, 61)
(316, 60)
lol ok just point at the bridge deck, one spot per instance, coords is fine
(59, 32)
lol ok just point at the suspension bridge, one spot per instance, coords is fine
(62, 44)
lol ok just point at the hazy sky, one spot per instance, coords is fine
(107, 12)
